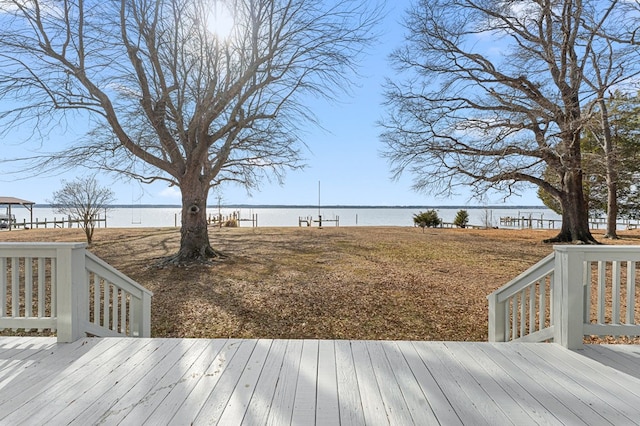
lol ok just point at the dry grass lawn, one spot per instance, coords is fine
(331, 283)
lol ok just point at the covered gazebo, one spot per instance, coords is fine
(12, 201)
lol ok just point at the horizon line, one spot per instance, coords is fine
(335, 206)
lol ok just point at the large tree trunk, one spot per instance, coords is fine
(194, 233)
(612, 206)
(611, 173)
(575, 216)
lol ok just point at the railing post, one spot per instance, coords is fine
(145, 326)
(141, 326)
(568, 297)
(497, 329)
(72, 297)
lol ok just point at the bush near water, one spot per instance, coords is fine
(428, 219)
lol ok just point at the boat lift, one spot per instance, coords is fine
(8, 220)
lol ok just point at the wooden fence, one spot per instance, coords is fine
(541, 223)
(63, 222)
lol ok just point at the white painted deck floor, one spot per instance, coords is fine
(306, 382)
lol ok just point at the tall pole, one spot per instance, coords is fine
(318, 198)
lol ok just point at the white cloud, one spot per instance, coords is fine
(171, 192)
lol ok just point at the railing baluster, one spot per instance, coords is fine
(631, 292)
(54, 288)
(532, 308)
(602, 285)
(15, 286)
(523, 313)
(114, 304)
(106, 299)
(41, 287)
(134, 321)
(28, 286)
(551, 303)
(87, 302)
(588, 282)
(3, 286)
(542, 305)
(123, 313)
(615, 292)
(507, 321)
(514, 317)
(96, 299)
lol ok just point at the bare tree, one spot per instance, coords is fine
(611, 157)
(493, 95)
(168, 98)
(83, 199)
(611, 64)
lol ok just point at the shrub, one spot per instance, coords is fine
(462, 219)
(428, 219)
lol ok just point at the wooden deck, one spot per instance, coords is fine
(305, 382)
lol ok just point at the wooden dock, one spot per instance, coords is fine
(529, 222)
(322, 382)
(230, 220)
(61, 222)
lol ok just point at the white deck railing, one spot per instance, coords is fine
(522, 309)
(65, 288)
(574, 292)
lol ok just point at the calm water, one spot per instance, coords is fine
(285, 216)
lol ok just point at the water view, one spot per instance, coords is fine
(149, 216)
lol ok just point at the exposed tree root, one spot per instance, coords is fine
(204, 256)
(568, 239)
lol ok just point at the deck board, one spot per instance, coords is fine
(350, 402)
(513, 384)
(323, 382)
(462, 403)
(371, 397)
(437, 405)
(562, 388)
(304, 405)
(328, 405)
(125, 388)
(168, 394)
(284, 393)
(625, 359)
(600, 386)
(188, 393)
(593, 407)
(99, 393)
(509, 410)
(408, 387)
(397, 409)
(512, 371)
(260, 405)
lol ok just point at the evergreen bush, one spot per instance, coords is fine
(428, 219)
(462, 219)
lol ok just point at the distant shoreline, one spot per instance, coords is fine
(310, 206)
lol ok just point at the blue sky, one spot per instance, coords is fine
(343, 157)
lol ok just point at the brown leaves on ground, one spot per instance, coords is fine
(331, 283)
